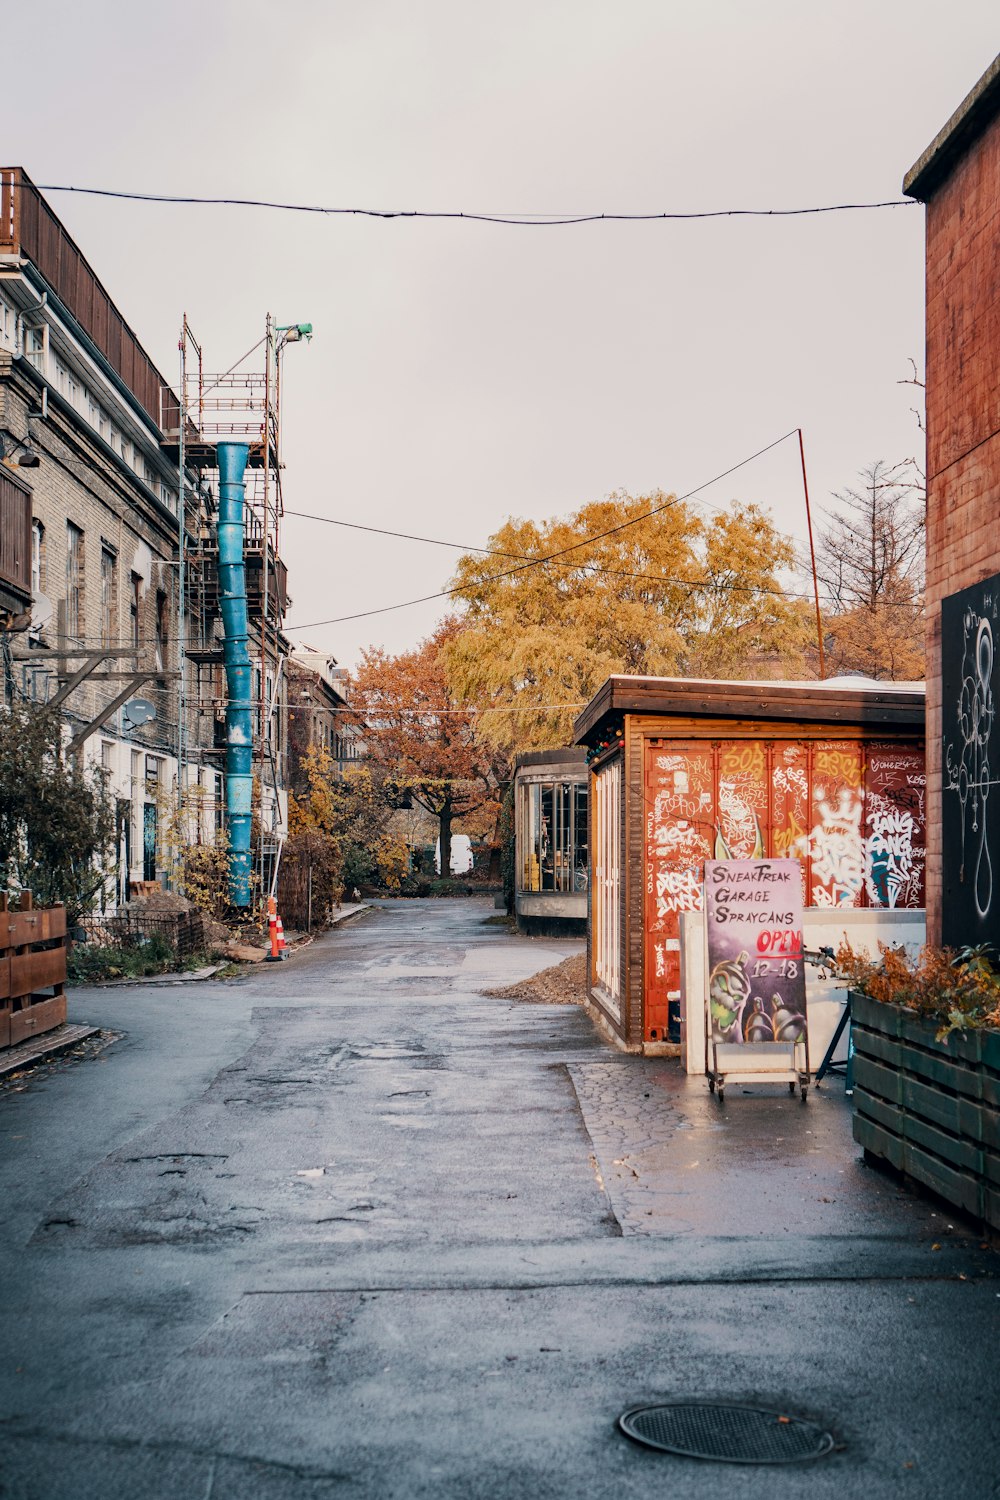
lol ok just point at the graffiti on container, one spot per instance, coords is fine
(739, 836)
(836, 848)
(891, 847)
(742, 801)
(837, 765)
(793, 782)
(680, 803)
(677, 841)
(677, 890)
(967, 757)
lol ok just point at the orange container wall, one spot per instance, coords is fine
(853, 813)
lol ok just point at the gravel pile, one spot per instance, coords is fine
(563, 984)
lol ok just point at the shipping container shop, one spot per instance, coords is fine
(831, 773)
(551, 871)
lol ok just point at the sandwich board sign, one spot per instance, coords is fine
(756, 972)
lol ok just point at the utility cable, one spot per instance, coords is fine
(562, 552)
(594, 569)
(535, 221)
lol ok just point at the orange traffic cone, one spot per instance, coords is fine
(274, 957)
(282, 945)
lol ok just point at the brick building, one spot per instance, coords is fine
(89, 550)
(318, 713)
(958, 178)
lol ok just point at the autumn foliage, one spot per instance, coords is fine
(422, 736)
(959, 990)
(623, 591)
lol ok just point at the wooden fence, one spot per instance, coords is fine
(32, 969)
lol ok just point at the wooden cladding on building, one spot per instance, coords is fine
(15, 544)
(29, 228)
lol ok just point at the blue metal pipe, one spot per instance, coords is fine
(239, 721)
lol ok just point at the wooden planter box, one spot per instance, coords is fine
(930, 1108)
(32, 970)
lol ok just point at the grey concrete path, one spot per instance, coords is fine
(345, 1227)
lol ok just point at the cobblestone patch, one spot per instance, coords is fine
(675, 1162)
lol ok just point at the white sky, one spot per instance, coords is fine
(461, 373)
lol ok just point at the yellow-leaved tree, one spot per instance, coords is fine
(615, 589)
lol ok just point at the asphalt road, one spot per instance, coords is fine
(346, 1227)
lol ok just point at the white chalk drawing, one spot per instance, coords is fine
(967, 757)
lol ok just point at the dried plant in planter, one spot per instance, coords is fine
(960, 989)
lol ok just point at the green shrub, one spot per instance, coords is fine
(89, 963)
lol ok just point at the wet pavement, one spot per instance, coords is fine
(347, 1227)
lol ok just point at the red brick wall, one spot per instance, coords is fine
(963, 424)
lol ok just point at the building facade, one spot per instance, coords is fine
(91, 468)
(319, 716)
(958, 178)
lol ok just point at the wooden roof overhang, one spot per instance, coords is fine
(881, 708)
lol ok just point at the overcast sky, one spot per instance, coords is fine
(461, 373)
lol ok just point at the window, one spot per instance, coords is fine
(74, 580)
(37, 556)
(103, 424)
(109, 596)
(115, 439)
(552, 836)
(605, 911)
(161, 629)
(135, 608)
(93, 410)
(7, 324)
(107, 751)
(34, 348)
(73, 392)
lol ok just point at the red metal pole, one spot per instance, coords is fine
(812, 558)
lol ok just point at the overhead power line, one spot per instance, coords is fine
(533, 220)
(595, 569)
(535, 562)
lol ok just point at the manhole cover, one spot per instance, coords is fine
(727, 1434)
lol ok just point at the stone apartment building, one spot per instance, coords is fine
(90, 469)
(958, 178)
(319, 713)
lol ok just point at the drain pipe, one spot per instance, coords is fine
(232, 459)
